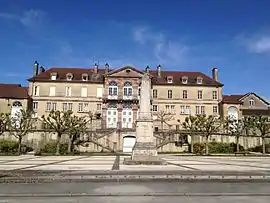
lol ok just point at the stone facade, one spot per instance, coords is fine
(113, 96)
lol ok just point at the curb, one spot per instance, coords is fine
(123, 178)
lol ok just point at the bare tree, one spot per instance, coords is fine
(58, 122)
(262, 124)
(163, 117)
(208, 126)
(190, 124)
(20, 125)
(4, 122)
(77, 125)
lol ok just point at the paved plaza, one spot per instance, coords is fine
(108, 163)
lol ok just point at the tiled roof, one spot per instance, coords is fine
(232, 99)
(177, 78)
(13, 91)
(99, 76)
(77, 74)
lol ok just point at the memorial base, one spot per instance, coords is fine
(144, 153)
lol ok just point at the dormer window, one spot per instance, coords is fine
(199, 80)
(251, 103)
(184, 80)
(53, 76)
(169, 79)
(69, 76)
(84, 77)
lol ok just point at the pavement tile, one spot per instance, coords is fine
(71, 167)
(27, 162)
(13, 167)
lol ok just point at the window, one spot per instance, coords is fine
(167, 107)
(169, 94)
(35, 105)
(53, 76)
(113, 89)
(80, 109)
(127, 89)
(199, 94)
(64, 106)
(68, 91)
(170, 79)
(185, 110)
(139, 91)
(172, 108)
(84, 92)
(197, 110)
(214, 94)
(155, 108)
(52, 91)
(85, 107)
(69, 76)
(36, 91)
(70, 106)
(199, 80)
(54, 106)
(215, 110)
(48, 106)
(200, 110)
(98, 106)
(182, 109)
(84, 77)
(184, 94)
(251, 102)
(154, 93)
(184, 80)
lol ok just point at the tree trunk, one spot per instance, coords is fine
(206, 146)
(237, 144)
(70, 144)
(263, 145)
(191, 143)
(58, 144)
(19, 145)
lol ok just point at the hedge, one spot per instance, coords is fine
(11, 147)
(216, 148)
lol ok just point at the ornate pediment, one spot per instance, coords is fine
(126, 71)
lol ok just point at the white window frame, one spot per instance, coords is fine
(35, 105)
(200, 94)
(68, 91)
(36, 90)
(84, 92)
(52, 91)
(214, 94)
(155, 108)
(185, 94)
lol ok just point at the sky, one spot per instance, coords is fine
(183, 35)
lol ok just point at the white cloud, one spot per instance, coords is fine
(258, 43)
(165, 50)
(28, 18)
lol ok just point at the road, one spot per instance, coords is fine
(137, 192)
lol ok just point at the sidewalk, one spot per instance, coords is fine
(81, 168)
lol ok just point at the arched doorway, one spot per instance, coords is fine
(128, 143)
(16, 112)
(233, 113)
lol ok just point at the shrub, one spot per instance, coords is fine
(11, 146)
(259, 148)
(51, 148)
(216, 147)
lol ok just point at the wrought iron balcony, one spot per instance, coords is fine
(121, 96)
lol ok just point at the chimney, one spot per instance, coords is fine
(36, 68)
(107, 68)
(96, 68)
(42, 69)
(215, 74)
(159, 71)
(147, 69)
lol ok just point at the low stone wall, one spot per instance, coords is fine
(114, 140)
